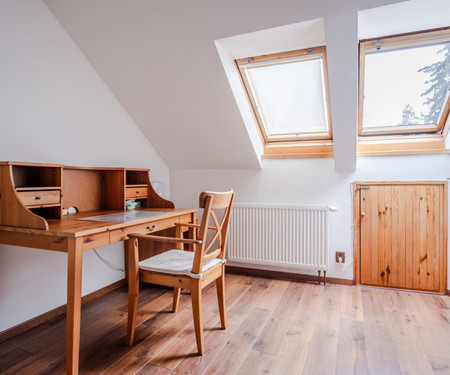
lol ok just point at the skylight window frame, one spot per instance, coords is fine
(284, 58)
(398, 42)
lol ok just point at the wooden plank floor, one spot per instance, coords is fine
(274, 327)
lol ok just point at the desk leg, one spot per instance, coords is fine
(179, 234)
(132, 253)
(74, 269)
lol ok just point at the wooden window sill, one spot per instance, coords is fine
(302, 149)
(402, 145)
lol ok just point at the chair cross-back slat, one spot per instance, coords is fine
(217, 235)
(211, 201)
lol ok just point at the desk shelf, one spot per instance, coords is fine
(36, 176)
(42, 206)
(37, 188)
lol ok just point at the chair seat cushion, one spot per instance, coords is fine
(176, 262)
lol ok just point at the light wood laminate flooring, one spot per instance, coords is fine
(274, 327)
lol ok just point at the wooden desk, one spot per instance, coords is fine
(102, 189)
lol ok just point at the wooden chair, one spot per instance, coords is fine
(185, 269)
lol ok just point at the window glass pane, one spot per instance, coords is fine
(407, 86)
(290, 97)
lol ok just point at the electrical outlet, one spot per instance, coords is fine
(340, 256)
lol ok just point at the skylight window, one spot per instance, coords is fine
(405, 84)
(289, 94)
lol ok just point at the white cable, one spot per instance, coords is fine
(110, 265)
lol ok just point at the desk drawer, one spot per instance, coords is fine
(95, 240)
(121, 234)
(40, 197)
(136, 192)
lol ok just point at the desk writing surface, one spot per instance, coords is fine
(71, 226)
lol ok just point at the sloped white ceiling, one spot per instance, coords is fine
(404, 17)
(159, 59)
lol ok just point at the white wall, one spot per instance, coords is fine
(310, 182)
(54, 108)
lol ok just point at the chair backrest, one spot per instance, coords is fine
(210, 202)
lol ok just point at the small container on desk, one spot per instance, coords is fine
(132, 204)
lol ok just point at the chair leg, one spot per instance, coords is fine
(133, 288)
(196, 296)
(220, 286)
(176, 299)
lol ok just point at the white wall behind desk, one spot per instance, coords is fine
(54, 108)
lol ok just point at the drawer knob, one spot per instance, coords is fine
(151, 228)
(38, 197)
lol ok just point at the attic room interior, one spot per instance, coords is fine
(126, 123)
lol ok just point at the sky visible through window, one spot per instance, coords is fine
(394, 85)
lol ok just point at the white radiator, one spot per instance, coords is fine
(279, 235)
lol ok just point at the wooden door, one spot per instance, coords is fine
(402, 235)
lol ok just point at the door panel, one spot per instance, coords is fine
(401, 244)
